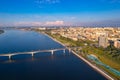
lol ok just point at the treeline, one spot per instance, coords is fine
(114, 52)
(69, 42)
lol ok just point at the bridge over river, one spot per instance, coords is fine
(9, 55)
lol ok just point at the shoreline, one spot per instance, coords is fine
(1, 31)
(86, 61)
(54, 39)
(93, 66)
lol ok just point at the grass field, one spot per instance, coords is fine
(87, 49)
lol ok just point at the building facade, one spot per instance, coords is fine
(117, 44)
(103, 41)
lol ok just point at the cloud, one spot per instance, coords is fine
(27, 24)
(114, 1)
(43, 3)
(73, 18)
(47, 23)
(47, 1)
(1, 24)
(54, 23)
(111, 1)
(108, 23)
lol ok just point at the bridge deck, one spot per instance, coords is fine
(34, 52)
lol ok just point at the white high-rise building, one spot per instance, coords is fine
(103, 41)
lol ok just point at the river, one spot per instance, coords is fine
(42, 66)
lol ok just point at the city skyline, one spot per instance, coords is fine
(59, 13)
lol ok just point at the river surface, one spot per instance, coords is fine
(42, 66)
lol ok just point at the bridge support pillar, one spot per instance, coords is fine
(32, 54)
(63, 50)
(52, 52)
(9, 57)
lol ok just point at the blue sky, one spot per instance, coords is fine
(59, 12)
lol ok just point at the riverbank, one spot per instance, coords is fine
(85, 60)
(54, 39)
(1, 31)
(94, 67)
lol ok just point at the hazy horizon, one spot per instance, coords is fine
(60, 13)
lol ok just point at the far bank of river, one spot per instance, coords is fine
(1, 31)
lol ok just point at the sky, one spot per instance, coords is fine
(59, 12)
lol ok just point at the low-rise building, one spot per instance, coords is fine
(117, 44)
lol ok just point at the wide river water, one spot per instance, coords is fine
(44, 65)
